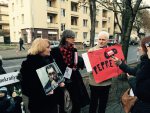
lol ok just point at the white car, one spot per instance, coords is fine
(86, 43)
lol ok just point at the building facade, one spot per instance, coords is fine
(49, 18)
(4, 23)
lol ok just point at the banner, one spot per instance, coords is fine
(101, 64)
(8, 78)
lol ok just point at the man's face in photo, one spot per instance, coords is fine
(52, 74)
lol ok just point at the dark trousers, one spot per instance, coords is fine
(99, 97)
(21, 47)
(141, 107)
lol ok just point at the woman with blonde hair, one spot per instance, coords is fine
(38, 56)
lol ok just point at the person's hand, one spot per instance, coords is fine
(148, 52)
(51, 92)
(62, 84)
(128, 76)
(116, 60)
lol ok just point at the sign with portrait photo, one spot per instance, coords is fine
(50, 77)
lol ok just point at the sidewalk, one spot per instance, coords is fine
(13, 54)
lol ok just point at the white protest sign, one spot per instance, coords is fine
(87, 62)
(8, 78)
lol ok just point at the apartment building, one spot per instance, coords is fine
(4, 23)
(49, 18)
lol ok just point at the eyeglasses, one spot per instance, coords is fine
(102, 39)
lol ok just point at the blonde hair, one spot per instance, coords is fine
(38, 46)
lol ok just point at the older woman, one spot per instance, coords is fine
(142, 73)
(69, 63)
(38, 56)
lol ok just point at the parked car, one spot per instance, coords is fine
(112, 42)
(54, 44)
(86, 43)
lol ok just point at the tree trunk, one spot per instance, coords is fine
(93, 19)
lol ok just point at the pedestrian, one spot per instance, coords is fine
(69, 63)
(99, 91)
(141, 83)
(38, 56)
(2, 71)
(21, 43)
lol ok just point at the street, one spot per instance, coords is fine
(12, 65)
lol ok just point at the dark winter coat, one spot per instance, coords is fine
(75, 86)
(32, 87)
(2, 71)
(142, 86)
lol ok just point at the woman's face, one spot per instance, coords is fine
(70, 40)
(47, 50)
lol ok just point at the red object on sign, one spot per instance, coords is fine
(103, 67)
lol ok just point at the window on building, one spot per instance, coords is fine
(62, 12)
(1, 27)
(49, 3)
(104, 13)
(96, 24)
(85, 22)
(104, 24)
(74, 20)
(22, 18)
(13, 7)
(85, 35)
(62, 0)
(14, 21)
(51, 18)
(76, 34)
(0, 17)
(74, 6)
(21, 3)
(62, 26)
(85, 9)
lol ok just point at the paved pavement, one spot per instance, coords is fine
(119, 84)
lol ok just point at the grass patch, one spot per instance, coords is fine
(8, 46)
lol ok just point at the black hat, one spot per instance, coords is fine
(68, 34)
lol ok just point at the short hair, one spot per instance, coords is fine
(66, 34)
(103, 33)
(38, 46)
(143, 42)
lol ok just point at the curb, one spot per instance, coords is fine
(11, 58)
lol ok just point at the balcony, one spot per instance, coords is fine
(53, 25)
(75, 27)
(53, 10)
(4, 21)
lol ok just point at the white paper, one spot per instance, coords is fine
(87, 62)
(68, 72)
(131, 92)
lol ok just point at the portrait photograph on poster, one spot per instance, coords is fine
(50, 77)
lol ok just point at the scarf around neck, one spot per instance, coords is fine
(67, 52)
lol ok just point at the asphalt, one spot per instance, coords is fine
(119, 84)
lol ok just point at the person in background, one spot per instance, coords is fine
(21, 42)
(38, 56)
(141, 83)
(2, 71)
(69, 63)
(99, 91)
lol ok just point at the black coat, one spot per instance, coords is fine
(32, 87)
(2, 71)
(142, 73)
(76, 87)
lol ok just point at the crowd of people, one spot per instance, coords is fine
(65, 56)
